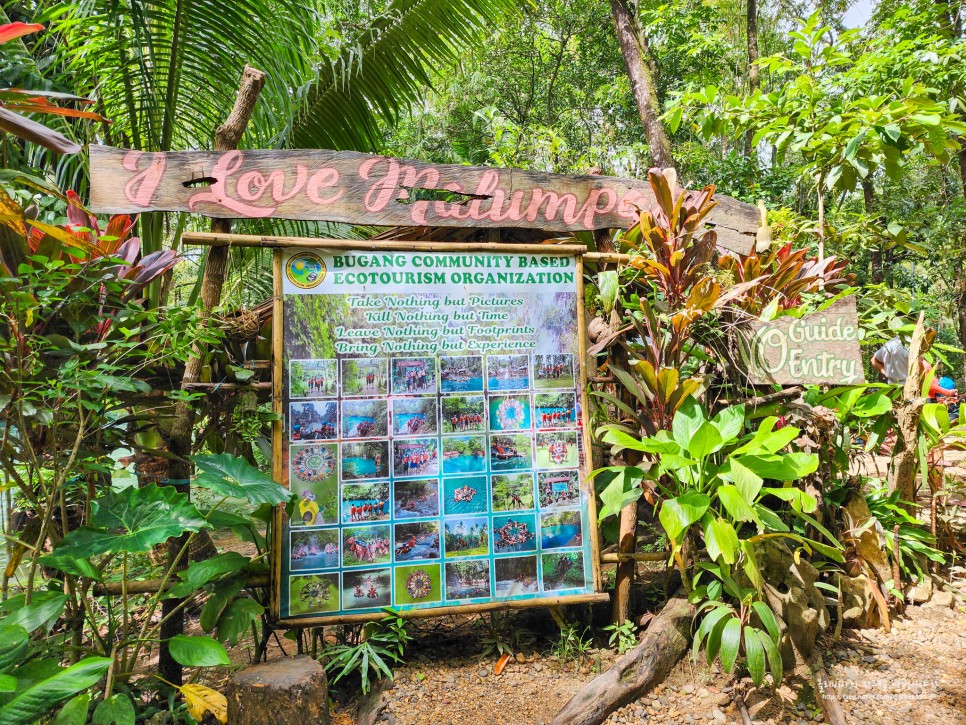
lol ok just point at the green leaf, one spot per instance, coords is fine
(750, 565)
(767, 618)
(705, 441)
(687, 420)
(72, 565)
(730, 644)
(8, 683)
(729, 422)
(115, 710)
(237, 618)
(608, 286)
(197, 651)
(755, 656)
(74, 712)
(713, 643)
(224, 592)
(784, 467)
(872, 406)
(200, 573)
(677, 514)
(619, 440)
(44, 609)
(621, 491)
(229, 475)
(39, 699)
(735, 503)
(14, 641)
(134, 519)
(747, 481)
(800, 500)
(774, 656)
(722, 540)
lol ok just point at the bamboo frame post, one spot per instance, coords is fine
(227, 137)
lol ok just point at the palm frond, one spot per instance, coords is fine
(387, 69)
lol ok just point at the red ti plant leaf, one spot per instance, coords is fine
(12, 31)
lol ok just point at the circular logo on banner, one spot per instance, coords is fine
(305, 270)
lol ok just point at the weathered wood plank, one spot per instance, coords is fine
(819, 349)
(345, 186)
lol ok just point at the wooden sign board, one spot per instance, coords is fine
(819, 349)
(433, 428)
(357, 188)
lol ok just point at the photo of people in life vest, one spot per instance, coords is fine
(558, 489)
(365, 376)
(460, 374)
(415, 499)
(415, 458)
(563, 571)
(313, 421)
(363, 502)
(557, 449)
(313, 378)
(367, 588)
(511, 453)
(413, 376)
(365, 418)
(416, 584)
(366, 545)
(554, 410)
(464, 414)
(510, 412)
(515, 575)
(314, 549)
(467, 536)
(414, 416)
(468, 579)
(512, 492)
(553, 372)
(514, 533)
(416, 541)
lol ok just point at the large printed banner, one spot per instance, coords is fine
(432, 431)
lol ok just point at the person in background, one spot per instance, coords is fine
(892, 361)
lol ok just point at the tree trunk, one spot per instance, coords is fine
(961, 267)
(902, 472)
(640, 71)
(289, 691)
(871, 208)
(227, 137)
(639, 670)
(754, 82)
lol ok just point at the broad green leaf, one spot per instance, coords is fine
(200, 573)
(735, 503)
(770, 519)
(621, 491)
(729, 422)
(783, 467)
(608, 287)
(713, 643)
(197, 651)
(14, 641)
(229, 475)
(619, 440)
(767, 618)
(689, 417)
(778, 439)
(115, 710)
(730, 644)
(755, 656)
(80, 567)
(800, 500)
(44, 609)
(74, 712)
(705, 441)
(677, 514)
(134, 519)
(936, 417)
(8, 683)
(750, 565)
(871, 406)
(748, 482)
(39, 699)
(218, 601)
(237, 619)
(722, 541)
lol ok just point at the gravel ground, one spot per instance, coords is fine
(915, 675)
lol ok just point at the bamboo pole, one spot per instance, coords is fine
(618, 557)
(597, 598)
(227, 137)
(223, 241)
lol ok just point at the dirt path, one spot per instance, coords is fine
(914, 676)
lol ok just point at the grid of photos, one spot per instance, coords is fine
(433, 481)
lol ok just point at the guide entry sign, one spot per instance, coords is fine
(432, 394)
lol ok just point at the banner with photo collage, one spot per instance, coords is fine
(432, 431)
